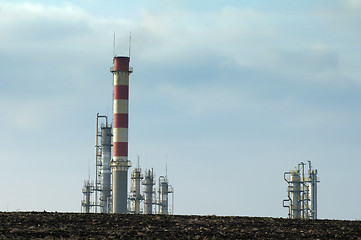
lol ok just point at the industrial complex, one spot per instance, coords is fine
(302, 192)
(109, 193)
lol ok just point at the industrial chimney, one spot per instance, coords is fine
(120, 163)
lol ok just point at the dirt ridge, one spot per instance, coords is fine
(26, 225)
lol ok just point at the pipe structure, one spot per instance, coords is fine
(287, 206)
(288, 195)
(172, 190)
(98, 156)
(120, 163)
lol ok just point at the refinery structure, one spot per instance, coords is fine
(147, 193)
(109, 193)
(302, 192)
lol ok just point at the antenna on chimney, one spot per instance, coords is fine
(130, 42)
(114, 45)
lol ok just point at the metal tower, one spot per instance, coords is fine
(136, 196)
(163, 191)
(86, 203)
(302, 192)
(148, 191)
(103, 145)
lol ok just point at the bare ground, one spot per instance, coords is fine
(30, 225)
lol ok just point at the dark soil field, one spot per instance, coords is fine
(30, 225)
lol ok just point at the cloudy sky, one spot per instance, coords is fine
(230, 94)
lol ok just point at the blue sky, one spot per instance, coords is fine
(230, 94)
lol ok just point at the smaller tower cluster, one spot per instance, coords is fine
(302, 192)
(142, 197)
(86, 203)
(152, 203)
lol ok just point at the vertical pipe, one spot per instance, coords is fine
(313, 185)
(96, 164)
(303, 189)
(172, 200)
(120, 163)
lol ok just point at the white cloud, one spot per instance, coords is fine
(23, 114)
(35, 27)
(354, 5)
(224, 32)
(248, 37)
(203, 99)
(294, 45)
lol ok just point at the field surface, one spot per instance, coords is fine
(32, 225)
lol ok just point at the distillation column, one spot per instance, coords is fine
(136, 195)
(87, 190)
(163, 191)
(313, 192)
(106, 144)
(148, 191)
(120, 163)
(302, 193)
(295, 192)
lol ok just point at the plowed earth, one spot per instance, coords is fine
(32, 225)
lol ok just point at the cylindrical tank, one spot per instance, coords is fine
(105, 173)
(148, 191)
(295, 190)
(120, 162)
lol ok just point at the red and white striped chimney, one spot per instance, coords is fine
(120, 162)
